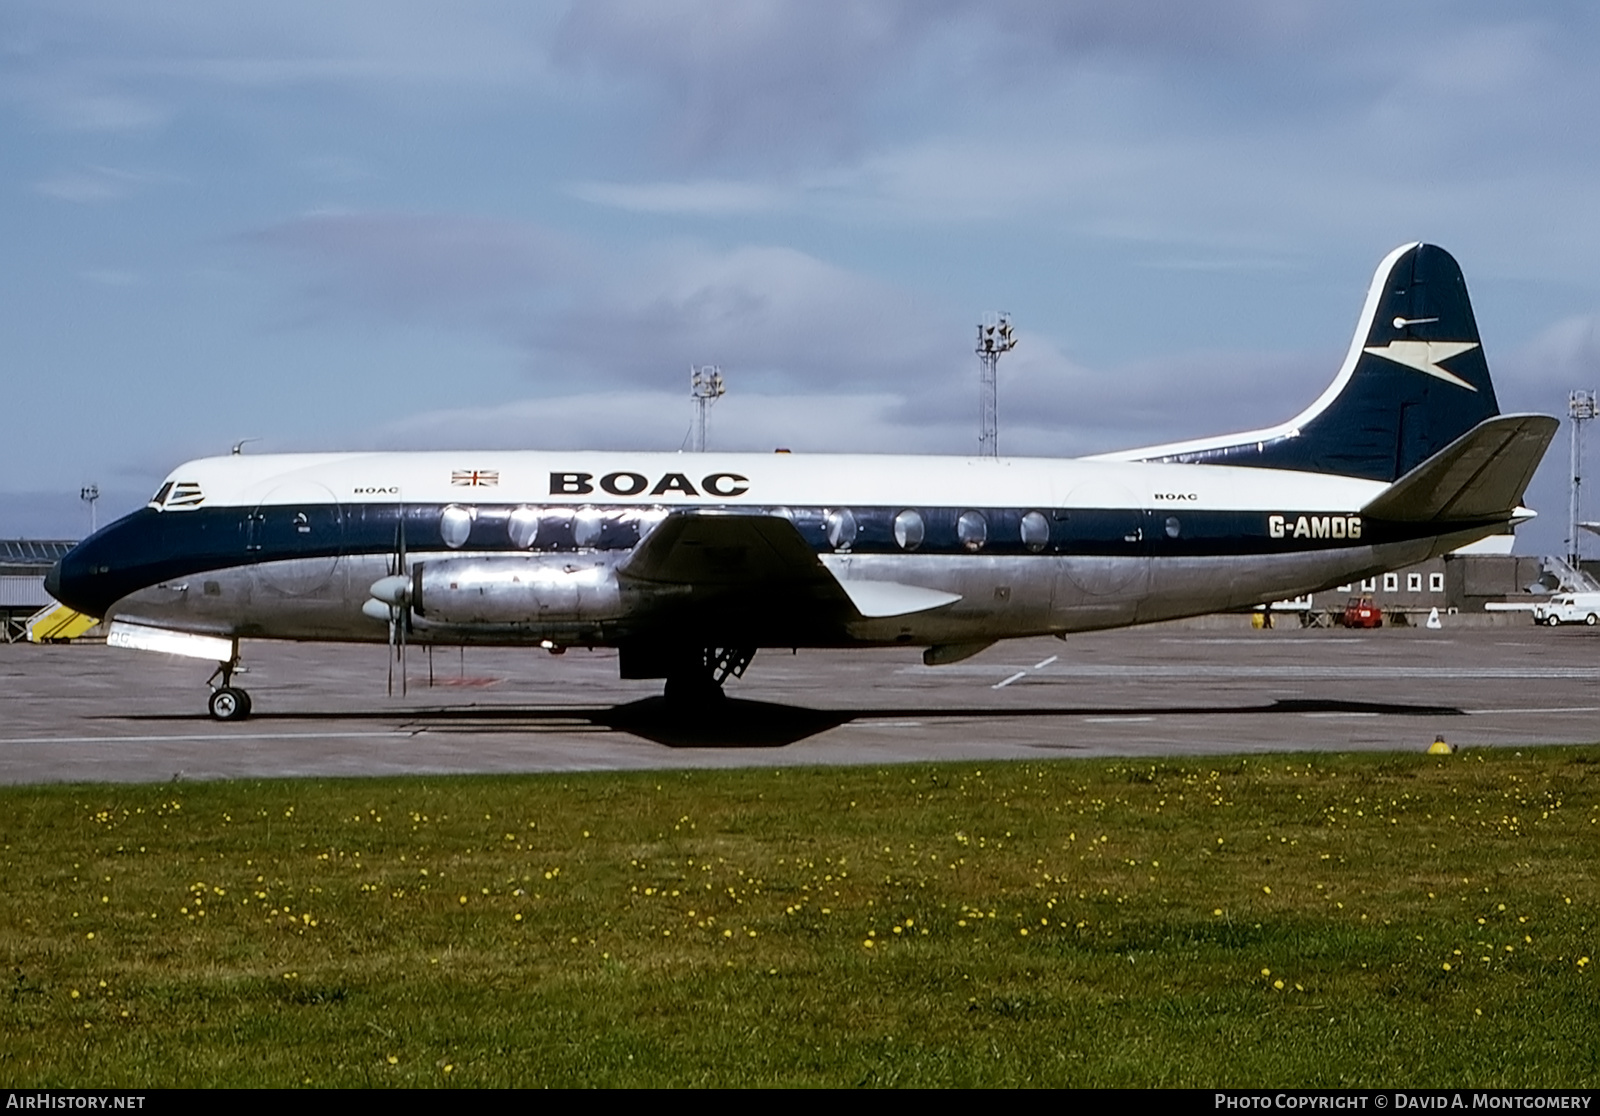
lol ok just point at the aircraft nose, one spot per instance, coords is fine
(52, 580)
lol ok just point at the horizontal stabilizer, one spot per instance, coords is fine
(1482, 475)
(890, 598)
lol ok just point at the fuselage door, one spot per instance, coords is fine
(296, 534)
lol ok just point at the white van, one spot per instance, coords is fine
(1568, 608)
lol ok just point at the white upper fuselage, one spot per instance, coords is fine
(758, 480)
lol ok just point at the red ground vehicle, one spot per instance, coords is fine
(1361, 612)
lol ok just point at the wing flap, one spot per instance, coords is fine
(875, 599)
(1481, 475)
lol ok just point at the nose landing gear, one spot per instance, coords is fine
(228, 702)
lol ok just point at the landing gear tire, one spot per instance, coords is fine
(1553, 621)
(228, 703)
(1591, 619)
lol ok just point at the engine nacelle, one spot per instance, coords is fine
(550, 589)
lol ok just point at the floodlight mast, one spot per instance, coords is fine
(705, 388)
(995, 338)
(1581, 407)
(90, 494)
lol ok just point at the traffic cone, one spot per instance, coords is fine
(1433, 619)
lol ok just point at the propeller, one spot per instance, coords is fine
(391, 600)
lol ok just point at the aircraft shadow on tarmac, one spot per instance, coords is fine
(737, 723)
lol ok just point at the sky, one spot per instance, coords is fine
(409, 225)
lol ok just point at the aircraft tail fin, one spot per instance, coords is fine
(1413, 381)
(1481, 476)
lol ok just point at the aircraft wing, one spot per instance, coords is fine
(1481, 475)
(742, 554)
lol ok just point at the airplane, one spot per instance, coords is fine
(688, 564)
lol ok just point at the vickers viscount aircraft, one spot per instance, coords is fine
(687, 564)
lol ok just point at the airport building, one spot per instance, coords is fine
(23, 564)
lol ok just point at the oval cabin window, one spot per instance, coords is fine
(523, 527)
(909, 530)
(841, 527)
(455, 524)
(587, 527)
(973, 530)
(1035, 531)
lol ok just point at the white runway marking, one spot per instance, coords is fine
(1553, 709)
(1140, 672)
(203, 736)
(1047, 662)
(1116, 720)
(1008, 681)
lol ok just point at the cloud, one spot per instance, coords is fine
(660, 421)
(774, 317)
(460, 270)
(95, 184)
(1560, 358)
(706, 196)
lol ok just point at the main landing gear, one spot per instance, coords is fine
(228, 702)
(695, 680)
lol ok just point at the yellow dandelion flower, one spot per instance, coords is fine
(1278, 984)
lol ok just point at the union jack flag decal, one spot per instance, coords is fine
(475, 478)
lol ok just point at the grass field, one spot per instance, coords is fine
(1271, 921)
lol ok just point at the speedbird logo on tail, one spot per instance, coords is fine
(1425, 356)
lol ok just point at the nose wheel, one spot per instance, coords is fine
(228, 703)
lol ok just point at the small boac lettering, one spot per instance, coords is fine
(623, 483)
(1314, 526)
(376, 490)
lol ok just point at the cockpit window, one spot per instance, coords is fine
(177, 496)
(160, 497)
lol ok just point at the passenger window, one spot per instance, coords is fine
(972, 529)
(908, 530)
(523, 527)
(1035, 531)
(455, 524)
(586, 528)
(841, 528)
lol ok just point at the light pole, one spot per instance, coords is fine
(1581, 408)
(705, 388)
(89, 493)
(994, 339)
